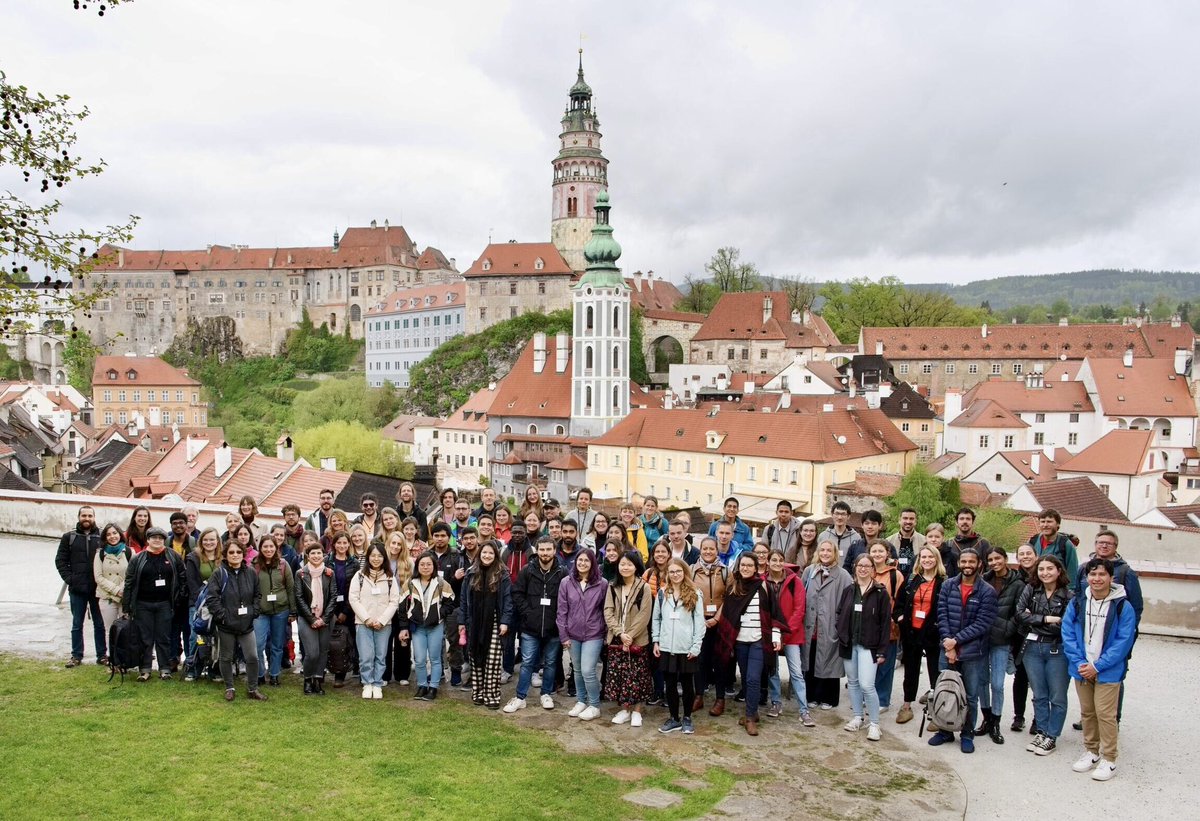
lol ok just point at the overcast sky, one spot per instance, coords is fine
(934, 141)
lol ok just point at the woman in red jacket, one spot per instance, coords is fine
(789, 591)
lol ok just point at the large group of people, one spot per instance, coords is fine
(635, 610)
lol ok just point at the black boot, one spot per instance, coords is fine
(1018, 724)
(985, 726)
(319, 685)
(995, 734)
(308, 687)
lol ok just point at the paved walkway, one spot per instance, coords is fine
(824, 770)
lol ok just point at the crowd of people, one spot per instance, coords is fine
(635, 610)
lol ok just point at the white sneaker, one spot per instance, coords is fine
(403, 682)
(505, 678)
(368, 691)
(589, 713)
(1104, 770)
(873, 733)
(376, 692)
(547, 702)
(577, 709)
(635, 720)
(514, 704)
(826, 706)
(536, 681)
(621, 717)
(1086, 762)
(854, 725)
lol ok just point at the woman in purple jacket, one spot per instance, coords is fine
(582, 629)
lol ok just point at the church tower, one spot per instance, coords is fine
(580, 175)
(600, 341)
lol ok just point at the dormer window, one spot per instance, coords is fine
(112, 376)
(487, 265)
(538, 264)
(131, 374)
(450, 297)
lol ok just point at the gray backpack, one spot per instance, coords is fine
(947, 707)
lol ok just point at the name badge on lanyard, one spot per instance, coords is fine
(858, 607)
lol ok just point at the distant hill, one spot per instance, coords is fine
(1078, 288)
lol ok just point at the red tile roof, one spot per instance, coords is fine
(149, 371)
(539, 395)
(411, 300)
(1149, 388)
(519, 259)
(433, 259)
(118, 482)
(740, 316)
(256, 476)
(1006, 342)
(673, 316)
(303, 485)
(1022, 462)
(1165, 338)
(985, 413)
(206, 480)
(1117, 453)
(879, 485)
(1054, 397)
(400, 429)
(819, 437)
(944, 461)
(653, 294)
(567, 461)
(1078, 498)
(1186, 516)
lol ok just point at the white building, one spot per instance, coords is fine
(1127, 467)
(407, 326)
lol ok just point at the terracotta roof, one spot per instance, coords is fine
(1149, 388)
(827, 372)
(1164, 338)
(519, 259)
(1006, 342)
(400, 429)
(433, 259)
(1077, 498)
(256, 476)
(302, 486)
(539, 395)
(1118, 453)
(533, 437)
(985, 413)
(1022, 462)
(944, 461)
(874, 483)
(1069, 368)
(653, 294)
(673, 316)
(428, 298)
(118, 482)
(567, 461)
(510, 458)
(149, 371)
(206, 481)
(1187, 516)
(1054, 397)
(740, 316)
(162, 437)
(819, 437)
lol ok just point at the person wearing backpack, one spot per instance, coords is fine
(864, 629)
(883, 566)
(315, 601)
(427, 601)
(1098, 631)
(1051, 541)
(76, 552)
(710, 577)
(374, 597)
(1005, 633)
(234, 607)
(198, 567)
(966, 610)
(916, 613)
(783, 533)
(109, 568)
(276, 606)
(1041, 609)
(152, 581)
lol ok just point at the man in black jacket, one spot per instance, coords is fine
(76, 551)
(451, 568)
(535, 599)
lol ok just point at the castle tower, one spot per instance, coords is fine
(600, 341)
(580, 175)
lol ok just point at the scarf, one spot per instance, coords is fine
(317, 603)
(114, 549)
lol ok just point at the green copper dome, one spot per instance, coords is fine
(581, 89)
(602, 251)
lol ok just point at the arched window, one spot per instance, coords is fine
(587, 399)
(589, 320)
(508, 429)
(355, 313)
(587, 358)
(533, 430)
(616, 405)
(560, 430)
(616, 319)
(616, 363)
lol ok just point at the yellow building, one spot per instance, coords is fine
(701, 456)
(126, 387)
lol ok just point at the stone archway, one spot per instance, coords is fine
(665, 351)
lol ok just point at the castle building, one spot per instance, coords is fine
(580, 175)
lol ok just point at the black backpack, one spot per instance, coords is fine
(125, 647)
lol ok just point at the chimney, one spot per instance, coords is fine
(668, 402)
(853, 389)
(827, 407)
(561, 352)
(284, 449)
(385, 226)
(879, 347)
(785, 400)
(328, 463)
(1127, 359)
(1181, 361)
(223, 459)
(748, 387)
(807, 320)
(155, 416)
(983, 331)
(174, 434)
(768, 305)
(120, 257)
(885, 390)
(1035, 463)
(953, 405)
(194, 446)
(373, 225)
(1176, 321)
(1063, 322)
(539, 352)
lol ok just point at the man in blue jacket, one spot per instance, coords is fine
(1098, 631)
(966, 609)
(743, 539)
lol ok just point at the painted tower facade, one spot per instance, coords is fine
(600, 355)
(580, 175)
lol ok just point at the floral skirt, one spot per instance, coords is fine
(629, 680)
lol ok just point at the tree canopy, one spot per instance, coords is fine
(354, 446)
(888, 304)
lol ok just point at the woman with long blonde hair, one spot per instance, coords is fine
(678, 633)
(398, 663)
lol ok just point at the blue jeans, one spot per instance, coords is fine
(427, 651)
(991, 695)
(1046, 667)
(270, 637)
(585, 655)
(860, 676)
(372, 652)
(190, 657)
(884, 673)
(80, 606)
(793, 653)
(534, 648)
(972, 671)
(750, 663)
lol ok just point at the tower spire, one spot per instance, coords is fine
(580, 173)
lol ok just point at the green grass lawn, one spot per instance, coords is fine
(78, 746)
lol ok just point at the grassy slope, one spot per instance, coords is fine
(79, 746)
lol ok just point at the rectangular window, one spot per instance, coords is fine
(762, 354)
(903, 369)
(924, 427)
(1039, 417)
(687, 465)
(795, 477)
(178, 396)
(512, 289)
(1039, 439)
(483, 313)
(1073, 418)
(949, 367)
(653, 463)
(775, 475)
(745, 354)
(1009, 441)
(121, 396)
(973, 368)
(216, 299)
(753, 473)
(1018, 367)
(122, 417)
(984, 441)
(108, 396)
(904, 427)
(927, 368)
(1072, 438)
(710, 468)
(729, 354)
(108, 417)
(670, 462)
(616, 460)
(641, 461)
(710, 356)
(996, 366)
(541, 288)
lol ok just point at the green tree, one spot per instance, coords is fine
(346, 400)
(924, 493)
(1000, 526)
(731, 275)
(355, 446)
(699, 296)
(79, 355)
(10, 369)
(637, 357)
(889, 304)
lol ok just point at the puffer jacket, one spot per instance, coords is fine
(238, 593)
(109, 571)
(304, 594)
(1006, 628)
(677, 630)
(76, 549)
(441, 604)
(969, 626)
(374, 600)
(927, 633)
(1034, 606)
